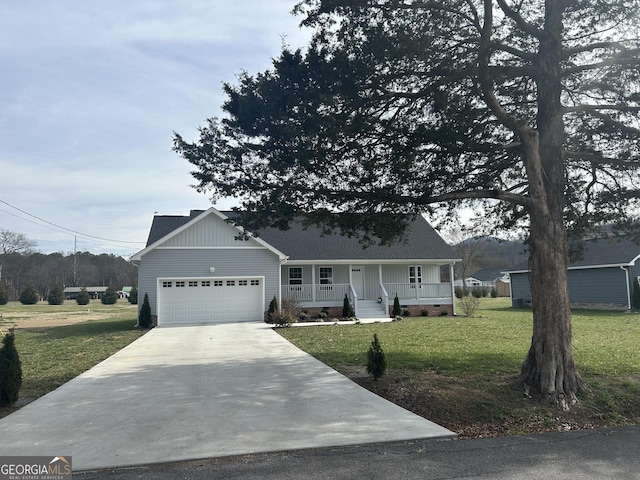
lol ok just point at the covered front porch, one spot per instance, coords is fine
(371, 288)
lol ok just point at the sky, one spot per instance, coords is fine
(91, 92)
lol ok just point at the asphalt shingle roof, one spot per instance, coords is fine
(298, 243)
(599, 252)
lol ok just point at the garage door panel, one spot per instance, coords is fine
(184, 301)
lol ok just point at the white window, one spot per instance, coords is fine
(255, 282)
(243, 283)
(206, 283)
(415, 275)
(193, 283)
(231, 283)
(326, 275)
(295, 275)
(179, 284)
(217, 283)
(166, 284)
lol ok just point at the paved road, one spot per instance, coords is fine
(578, 455)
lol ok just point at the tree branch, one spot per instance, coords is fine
(627, 61)
(596, 108)
(524, 26)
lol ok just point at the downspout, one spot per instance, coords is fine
(626, 270)
(453, 289)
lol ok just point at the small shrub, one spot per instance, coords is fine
(476, 292)
(494, 292)
(56, 296)
(83, 297)
(283, 318)
(469, 305)
(144, 318)
(406, 313)
(304, 317)
(376, 361)
(273, 308)
(425, 312)
(133, 295)
(4, 294)
(322, 315)
(459, 291)
(10, 371)
(29, 296)
(347, 309)
(397, 310)
(109, 297)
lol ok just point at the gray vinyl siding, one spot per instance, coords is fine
(595, 286)
(185, 263)
(210, 231)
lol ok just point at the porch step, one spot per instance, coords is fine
(371, 309)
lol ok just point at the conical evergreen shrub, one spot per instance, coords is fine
(56, 296)
(273, 308)
(397, 310)
(347, 310)
(144, 318)
(133, 295)
(10, 371)
(376, 361)
(109, 297)
(83, 297)
(636, 296)
(29, 295)
(4, 294)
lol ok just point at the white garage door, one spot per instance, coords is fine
(194, 300)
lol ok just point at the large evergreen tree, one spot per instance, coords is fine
(402, 107)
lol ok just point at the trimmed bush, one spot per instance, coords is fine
(4, 294)
(56, 296)
(83, 297)
(347, 309)
(376, 361)
(144, 318)
(133, 295)
(29, 295)
(397, 310)
(10, 371)
(109, 297)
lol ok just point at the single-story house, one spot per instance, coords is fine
(198, 269)
(71, 293)
(603, 276)
(489, 278)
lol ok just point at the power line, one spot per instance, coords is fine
(75, 232)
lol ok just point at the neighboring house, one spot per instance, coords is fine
(491, 278)
(604, 275)
(197, 269)
(71, 293)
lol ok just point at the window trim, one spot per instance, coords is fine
(328, 280)
(296, 280)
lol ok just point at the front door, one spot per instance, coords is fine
(357, 279)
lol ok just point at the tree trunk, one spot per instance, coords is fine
(549, 366)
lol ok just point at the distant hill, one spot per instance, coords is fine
(488, 253)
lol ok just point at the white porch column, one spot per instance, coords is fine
(453, 289)
(313, 283)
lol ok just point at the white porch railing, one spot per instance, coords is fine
(421, 290)
(336, 292)
(304, 293)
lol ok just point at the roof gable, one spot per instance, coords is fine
(201, 229)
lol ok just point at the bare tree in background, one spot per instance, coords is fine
(12, 242)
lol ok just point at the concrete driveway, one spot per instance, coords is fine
(205, 391)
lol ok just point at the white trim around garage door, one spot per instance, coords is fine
(199, 300)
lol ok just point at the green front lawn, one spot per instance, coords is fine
(462, 372)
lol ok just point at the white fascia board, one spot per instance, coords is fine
(374, 261)
(211, 211)
(583, 267)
